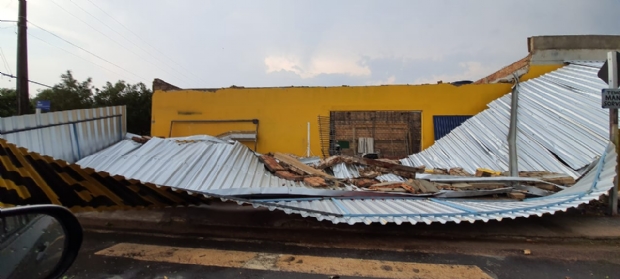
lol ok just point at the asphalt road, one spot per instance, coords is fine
(123, 255)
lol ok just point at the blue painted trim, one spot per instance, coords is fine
(342, 207)
(454, 205)
(77, 141)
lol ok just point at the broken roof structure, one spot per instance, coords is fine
(561, 129)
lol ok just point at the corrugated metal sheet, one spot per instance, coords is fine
(428, 210)
(445, 124)
(562, 127)
(200, 165)
(66, 135)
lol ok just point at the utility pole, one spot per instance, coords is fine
(23, 98)
(513, 157)
(610, 73)
(612, 64)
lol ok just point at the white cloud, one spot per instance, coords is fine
(316, 66)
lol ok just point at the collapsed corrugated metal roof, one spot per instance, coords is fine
(562, 127)
(200, 164)
(428, 210)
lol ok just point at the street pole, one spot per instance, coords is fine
(612, 67)
(23, 98)
(513, 157)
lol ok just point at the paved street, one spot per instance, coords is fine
(123, 255)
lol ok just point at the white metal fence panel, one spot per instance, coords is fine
(66, 135)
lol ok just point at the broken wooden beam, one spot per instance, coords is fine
(422, 186)
(288, 175)
(390, 166)
(297, 166)
(364, 182)
(270, 163)
(516, 195)
(459, 172)
(315, 181)
(393, 187)
(481, 172)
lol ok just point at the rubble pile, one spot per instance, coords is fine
(372, 175)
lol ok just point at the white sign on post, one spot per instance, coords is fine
(611, 98)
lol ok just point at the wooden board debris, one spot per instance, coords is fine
(393, 187)
(297, 166)
(560, 179)
(516, 195)
(437, 171)
(315, 181)
(364, 182)
(481, 172)
(459, 172)
(422, 186)
(389, 166)
(270, 163)
(289, 175)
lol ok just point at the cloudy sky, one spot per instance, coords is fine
(200, 43)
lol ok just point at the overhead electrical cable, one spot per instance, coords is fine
(143, 40)
(69, 52)
(31, 81)
(127, 39)
(111, 39)
(87, 51)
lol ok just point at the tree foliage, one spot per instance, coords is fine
(70, 94)
(8, 102)
(136, 97)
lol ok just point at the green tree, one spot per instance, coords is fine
(8, 102)
(68, 94)
(136, 97)
(73, 94)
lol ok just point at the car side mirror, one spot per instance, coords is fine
(38, 242)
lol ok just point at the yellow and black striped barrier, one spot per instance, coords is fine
(28, 178)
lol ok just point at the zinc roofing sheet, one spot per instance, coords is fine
(561, 127)
(199, 164)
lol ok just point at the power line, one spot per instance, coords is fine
(138, 46)
(6, 63)
(123, 46)
(95, 55)
(141, 39)
(38, 83)
(102, 67)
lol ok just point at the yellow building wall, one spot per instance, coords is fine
(284, 112)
